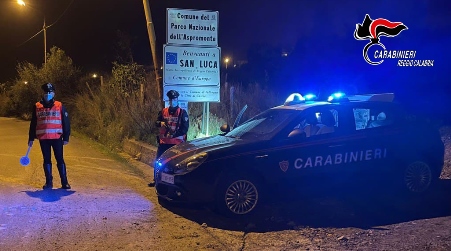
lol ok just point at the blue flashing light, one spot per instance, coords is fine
(336, 96)
(294, 98)
(158, 164)
(310, 97)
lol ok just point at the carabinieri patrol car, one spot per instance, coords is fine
(300, 142)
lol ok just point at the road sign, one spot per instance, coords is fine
(195, 93)
(192, 27)
(195, 66)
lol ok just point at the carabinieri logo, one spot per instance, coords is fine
(373, 29)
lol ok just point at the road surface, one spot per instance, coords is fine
(110, 207)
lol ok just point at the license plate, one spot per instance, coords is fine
(167, 178)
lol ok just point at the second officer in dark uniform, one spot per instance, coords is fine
(173, 122)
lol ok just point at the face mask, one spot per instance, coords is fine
(48, 97)
(173, 102)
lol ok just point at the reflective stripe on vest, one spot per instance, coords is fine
(49, 121)
(171, 121)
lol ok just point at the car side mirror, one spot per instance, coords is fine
(296, 133)
(225, 128)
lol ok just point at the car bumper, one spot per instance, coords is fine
(186, 188)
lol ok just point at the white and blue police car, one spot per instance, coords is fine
(301, 142)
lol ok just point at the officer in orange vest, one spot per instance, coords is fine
(173, 122)
(51, 125)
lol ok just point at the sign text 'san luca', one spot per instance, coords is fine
(191, 65)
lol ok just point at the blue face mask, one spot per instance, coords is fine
(48, 96)
(173, 102)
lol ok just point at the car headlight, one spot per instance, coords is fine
(191, 163)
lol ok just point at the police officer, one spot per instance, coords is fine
(51, 126)
(173, 122)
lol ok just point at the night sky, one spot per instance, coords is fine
(322, 32)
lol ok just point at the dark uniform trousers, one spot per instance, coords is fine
(46, 148)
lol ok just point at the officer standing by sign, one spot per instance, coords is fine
(50, 124)
(173, 122)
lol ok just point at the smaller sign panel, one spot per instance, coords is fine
(192, 27)
(185, 65)
(195, 93)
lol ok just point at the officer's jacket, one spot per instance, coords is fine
(49, 121)
(168, 134)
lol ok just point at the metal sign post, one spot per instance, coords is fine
(208, 118)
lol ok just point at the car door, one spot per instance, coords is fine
(374, 139)
(316, 159)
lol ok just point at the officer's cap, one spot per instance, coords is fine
(172, 94)
(48, 87)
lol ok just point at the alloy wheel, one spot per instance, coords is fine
(241, 197)
(418, 177)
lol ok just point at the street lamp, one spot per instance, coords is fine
(226, 62)
(44, 28)
(95, 75)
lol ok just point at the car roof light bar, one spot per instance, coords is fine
(380, 97)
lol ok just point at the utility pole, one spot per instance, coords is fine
(45, 43)
(151, 33)
(44, 29)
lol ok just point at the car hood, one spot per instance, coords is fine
(186, 149)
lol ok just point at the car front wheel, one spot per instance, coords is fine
(237, 195)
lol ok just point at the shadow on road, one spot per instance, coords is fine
(49, 195)
(354, 206)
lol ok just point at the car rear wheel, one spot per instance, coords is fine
(418, 177)
(237, 195)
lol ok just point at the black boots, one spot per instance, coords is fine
(48, 177)
(63, 176)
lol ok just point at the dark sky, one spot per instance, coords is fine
(86, 32)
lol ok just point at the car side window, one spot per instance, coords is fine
(367, 118)
(317, 122)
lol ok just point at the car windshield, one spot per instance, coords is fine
(263, 126)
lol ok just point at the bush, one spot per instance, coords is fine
(96, 115)
(195, 129)
(109, 116)
(25, 91)
(233, 99)
(4, 101)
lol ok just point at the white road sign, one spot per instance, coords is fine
(191, 66)
(195, 93)
(192, 27)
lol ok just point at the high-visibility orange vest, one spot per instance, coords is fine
(49, 121)
(172, 121)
